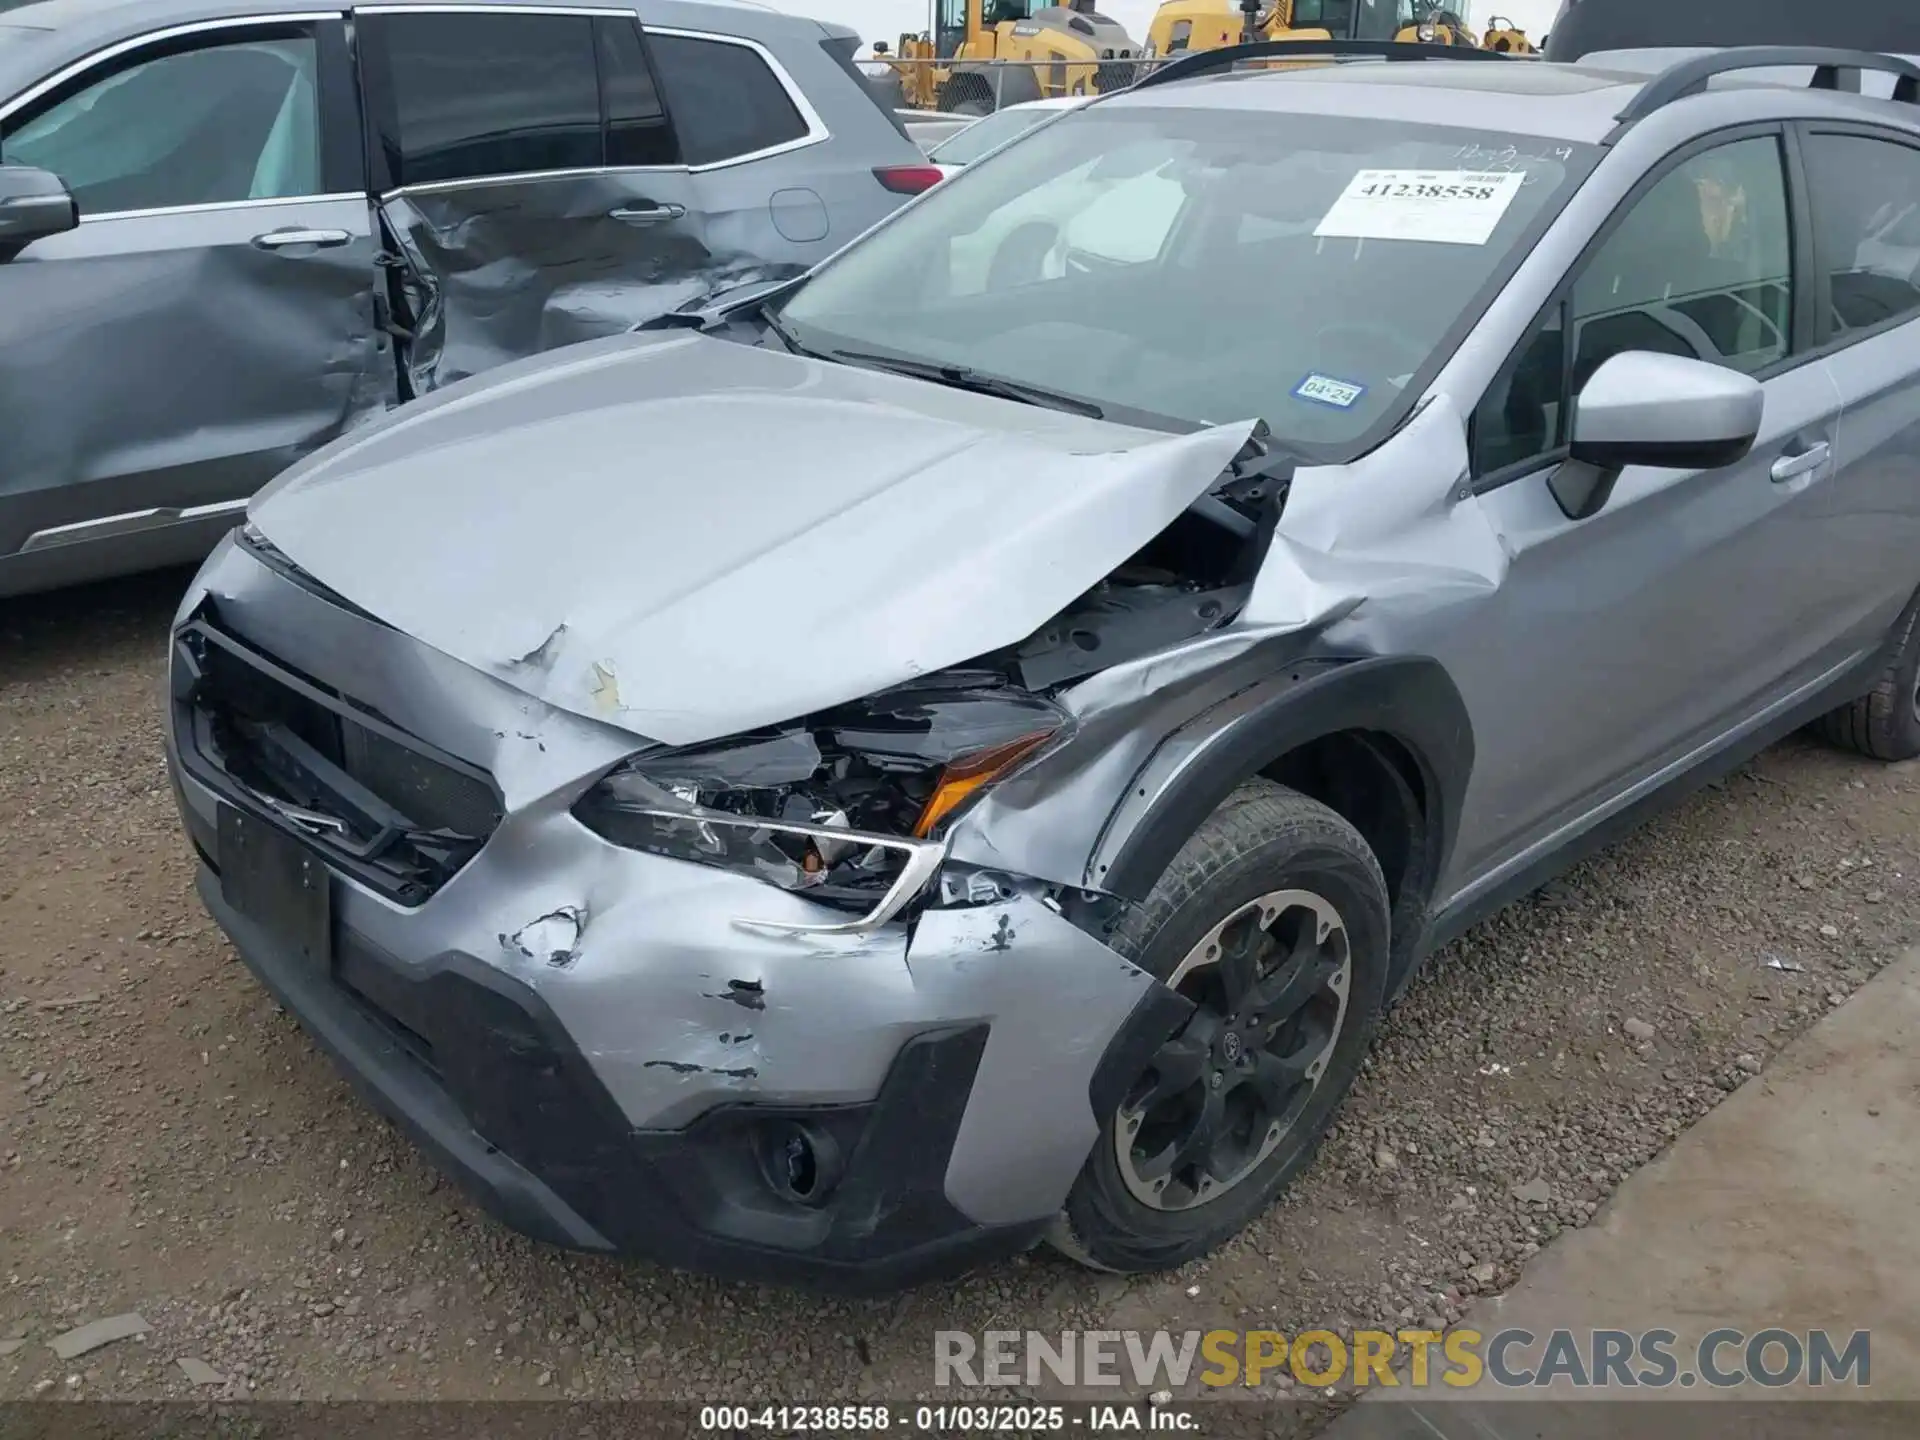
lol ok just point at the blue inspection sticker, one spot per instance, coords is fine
(1326, 390)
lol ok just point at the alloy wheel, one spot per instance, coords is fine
(1269, 984)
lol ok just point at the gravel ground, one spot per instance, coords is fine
(171, 1145)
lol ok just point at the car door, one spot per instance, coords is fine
(775, 197)
(530, 179)
(1626, 642)
(209, 320)
(1864, 185)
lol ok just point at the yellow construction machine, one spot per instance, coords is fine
(1182, 25)
(1506, 37)
(960, 63)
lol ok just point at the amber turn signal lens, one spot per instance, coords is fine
(960, 778)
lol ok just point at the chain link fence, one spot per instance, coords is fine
(979, 87)
(971, 88)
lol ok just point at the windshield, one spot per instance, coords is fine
(1207, 266)
(988, 134)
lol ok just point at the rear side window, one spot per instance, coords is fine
(1866, 215)
(471, 95)
(725, 100)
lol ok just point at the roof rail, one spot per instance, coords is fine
(1205, 62)
(1832, 70)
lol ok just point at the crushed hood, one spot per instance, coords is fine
(688, 537)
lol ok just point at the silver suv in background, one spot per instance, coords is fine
(231, 231)
(929, 758)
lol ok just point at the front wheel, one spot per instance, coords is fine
(1273, 921)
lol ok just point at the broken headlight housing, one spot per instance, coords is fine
(847, 808)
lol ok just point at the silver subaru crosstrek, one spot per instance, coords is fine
(881, 770)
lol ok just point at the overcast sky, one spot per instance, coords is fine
(889, 19)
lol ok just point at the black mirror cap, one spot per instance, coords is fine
(1662, 454)
(1582, 486)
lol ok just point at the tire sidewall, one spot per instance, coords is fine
(1900, 735)
(1101, 1202)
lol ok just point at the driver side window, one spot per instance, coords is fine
(1700, 266)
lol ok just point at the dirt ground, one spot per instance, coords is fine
(171, 1145)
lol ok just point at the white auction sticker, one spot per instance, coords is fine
(1445, 207)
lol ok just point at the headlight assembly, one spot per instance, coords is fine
(847, 808)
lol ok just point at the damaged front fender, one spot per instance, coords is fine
(1320, 647)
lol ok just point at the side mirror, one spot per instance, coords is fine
(1666, 411)
(33, 205)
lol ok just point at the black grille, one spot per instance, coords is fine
(379, 804)
(417, 785)
(1114, 75)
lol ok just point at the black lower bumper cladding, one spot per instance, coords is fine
(476, 1069)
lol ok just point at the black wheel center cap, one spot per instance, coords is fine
(1230, 1046)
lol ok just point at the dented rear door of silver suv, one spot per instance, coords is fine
(520, 221)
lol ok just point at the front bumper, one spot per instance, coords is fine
(625, 1091)
(558, 1163)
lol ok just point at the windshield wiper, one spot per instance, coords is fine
(964, 377)
(785, 336)
(714, 304)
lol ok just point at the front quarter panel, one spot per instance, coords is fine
(1370, 561)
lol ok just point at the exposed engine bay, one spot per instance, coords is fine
(902, 761)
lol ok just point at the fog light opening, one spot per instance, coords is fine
(802, 1162)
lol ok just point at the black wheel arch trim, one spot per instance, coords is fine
(1410, 698)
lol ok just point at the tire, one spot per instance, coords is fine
(1265, 846)
(1884, 724)
(970, 92)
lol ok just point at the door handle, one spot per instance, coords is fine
(281, 239)
(646, 214)
(1800, 462)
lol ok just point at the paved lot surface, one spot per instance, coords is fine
(171, 1145)
(1790, 1206)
